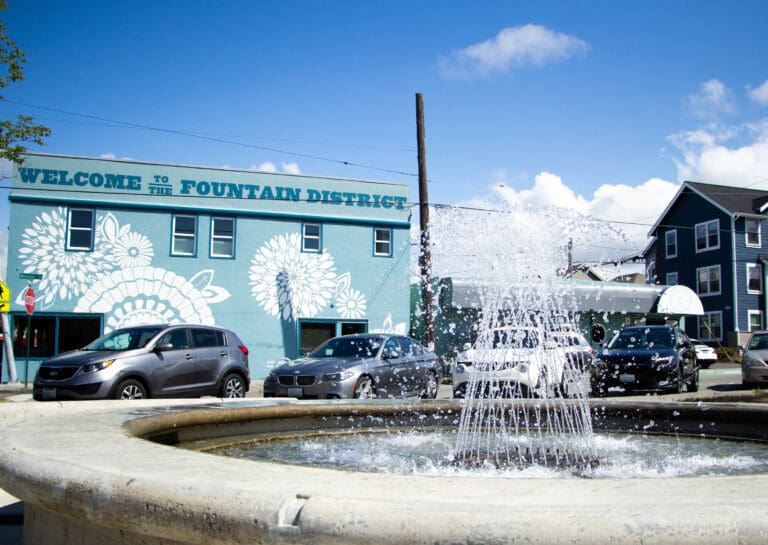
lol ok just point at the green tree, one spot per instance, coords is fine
(15, 132)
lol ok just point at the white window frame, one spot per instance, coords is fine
(751, 267)
(750, 314)
(706, 225)
(377, 241)
(672, 279)
(175, 235)
(747, 232)
(222, 238)
(670, 234)
(709, 280)
(70, 229)
(704, 334)
(306, 237)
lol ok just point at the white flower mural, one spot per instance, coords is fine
(115, 278)
(148, 295)
(289, 283)
(65, 273)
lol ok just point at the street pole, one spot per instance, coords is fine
(425, 256)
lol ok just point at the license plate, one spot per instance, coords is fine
(627, 378)
(295, 392)
(49, 393)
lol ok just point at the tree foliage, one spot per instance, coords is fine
(14, 133)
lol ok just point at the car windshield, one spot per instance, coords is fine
(125, 339)
(644, 338)
(515, 338)
(758, 342)
(348, 347)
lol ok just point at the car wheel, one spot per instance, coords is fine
(693, 382)
(364, 388)
(430, 388)
(460, 391)
(233, 386)
(131, 389)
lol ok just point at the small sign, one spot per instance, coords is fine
(30, 300)
(30, 276)
(5, 298)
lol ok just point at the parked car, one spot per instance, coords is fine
(521, 362)
(363, 366)
(754, 362)
(705, 354)
(657, 357)
(149, 361)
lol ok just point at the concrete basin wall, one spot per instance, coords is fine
(86, 477)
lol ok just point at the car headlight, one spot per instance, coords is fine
(99, 366)
(338, 377)
(664, 361)
(597, 362)
(753, 361)
(271, 377)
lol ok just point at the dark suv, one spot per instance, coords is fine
(656, 357)
(149, 361)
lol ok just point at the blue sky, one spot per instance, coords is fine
(602, 107)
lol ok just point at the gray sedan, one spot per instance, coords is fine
(359, 366)
(754, 363)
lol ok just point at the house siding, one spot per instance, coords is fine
(747, 301)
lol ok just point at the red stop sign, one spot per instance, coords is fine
(30, 300)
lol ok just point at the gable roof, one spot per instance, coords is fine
(734, 201)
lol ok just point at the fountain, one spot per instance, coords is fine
(114, 472)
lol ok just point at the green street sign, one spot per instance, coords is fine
(30, 276)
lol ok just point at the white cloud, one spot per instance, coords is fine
(269, 166)
(711, 99)
(514, 46)
(759, 94)
(736, 156)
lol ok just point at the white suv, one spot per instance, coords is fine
(521, 362)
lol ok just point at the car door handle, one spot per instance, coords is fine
(190, 357)
(223, 353)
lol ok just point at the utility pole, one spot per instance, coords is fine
(425, 256)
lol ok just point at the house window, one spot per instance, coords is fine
(222, 237)
(310, 238)
(672, 279)
(707, 236)
(752, 230)
(650, 271)
(711, 326)
(382, 242)
(755, 319)
(754, 278)
(671, 243)
(80, 229)
(184, 235)
(708, 280)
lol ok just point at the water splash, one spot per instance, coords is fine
(526, 402)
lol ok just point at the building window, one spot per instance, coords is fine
(650, 271)
(222, 237)
(80, 229)
(311, 237)
(382, 242)
(711, 326)
(708, 280)
(184, 236)
(671, 243)
(753, 233)
(754, 278)
(755, 319)
(52, 335)
(672, 279)
(708, 236)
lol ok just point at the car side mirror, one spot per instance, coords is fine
(163, 347)
(466, 346)
(391, 355)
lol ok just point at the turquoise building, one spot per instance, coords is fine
(286, 261)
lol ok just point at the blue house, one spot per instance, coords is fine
(286, 261)
(709, 238)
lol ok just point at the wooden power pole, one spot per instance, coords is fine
(425, 256)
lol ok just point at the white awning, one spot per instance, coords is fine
(679, 300)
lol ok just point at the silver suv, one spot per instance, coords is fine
(177, 360)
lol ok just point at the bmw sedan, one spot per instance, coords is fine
(359, 366)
